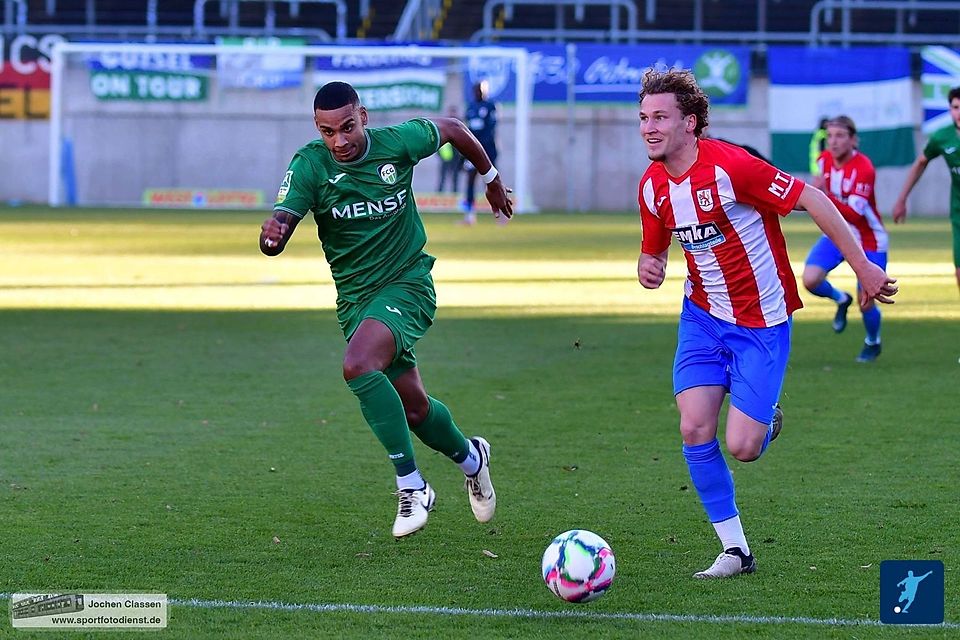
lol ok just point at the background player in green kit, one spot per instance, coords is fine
(357, 184)
(945, 142)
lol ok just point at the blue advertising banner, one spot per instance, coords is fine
(163, 62)
(608, 73)
(400, 81)
(277, 70)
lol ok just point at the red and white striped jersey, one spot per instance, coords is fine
(723, 212)
(850, 187)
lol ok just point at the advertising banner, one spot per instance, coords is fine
(25, 76)
(870, 85)
(941, 73)
(611, 73)
(260, 71)
(387, 82)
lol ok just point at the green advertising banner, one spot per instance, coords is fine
(148, 85)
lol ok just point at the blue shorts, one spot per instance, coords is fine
(749, 363)
(825, 255)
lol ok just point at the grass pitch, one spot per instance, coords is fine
(174, 420)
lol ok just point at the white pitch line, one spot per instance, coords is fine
(533, 613)
(197, 603)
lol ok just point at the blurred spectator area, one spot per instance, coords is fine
(754, 21)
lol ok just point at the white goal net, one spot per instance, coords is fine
(214, 125)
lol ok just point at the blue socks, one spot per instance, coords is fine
(766, 438)
(826, 290)
(871, 322)
(712, 479)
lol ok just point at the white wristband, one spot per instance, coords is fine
(489, 176)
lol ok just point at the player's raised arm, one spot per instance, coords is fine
(457, 134)
(275, 231)
(874, 281)
(916, 170)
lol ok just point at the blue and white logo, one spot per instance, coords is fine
(911, 592)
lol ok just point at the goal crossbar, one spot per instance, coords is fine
(519, 57)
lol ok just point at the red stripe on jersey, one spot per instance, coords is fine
(778, 247)
(731, 255)
(698, 295)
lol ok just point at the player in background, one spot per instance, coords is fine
(818, 144)
(945, 142)
(847, 177)
(722, 205)
(450, 162)
(356, 181)
(481, 117)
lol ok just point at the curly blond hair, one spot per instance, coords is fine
(680, 82)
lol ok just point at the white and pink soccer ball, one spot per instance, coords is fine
(578, 566)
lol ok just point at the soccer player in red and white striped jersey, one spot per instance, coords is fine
(847, 177)
(722, 205)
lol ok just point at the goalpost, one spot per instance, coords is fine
(167, 124)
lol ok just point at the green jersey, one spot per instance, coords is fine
(946, 142)
(367, 218)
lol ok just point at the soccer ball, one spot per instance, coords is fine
(578, 566)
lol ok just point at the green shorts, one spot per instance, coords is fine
(407, 306)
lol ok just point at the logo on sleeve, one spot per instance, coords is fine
(388, 173)
(781, 185)
(698, 238)
(284, 187)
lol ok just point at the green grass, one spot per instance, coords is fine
(172, 402)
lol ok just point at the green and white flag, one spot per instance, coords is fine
(941, 72)
(871, 85)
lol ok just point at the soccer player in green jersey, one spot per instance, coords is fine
(357, 183)
(945, 142)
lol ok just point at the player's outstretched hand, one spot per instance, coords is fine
(651, 270)
(876, 284)
(498, 196)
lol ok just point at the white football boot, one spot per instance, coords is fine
(413, 509)
(483, 499)
(731, 562)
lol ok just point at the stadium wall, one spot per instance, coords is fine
(243, 140)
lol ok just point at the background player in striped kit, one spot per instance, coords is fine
(722, 205)
(357, 183)
(847, 177)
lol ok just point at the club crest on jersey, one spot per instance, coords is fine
(705, 199)
(388, 173)
(697, 238)
(284, 187)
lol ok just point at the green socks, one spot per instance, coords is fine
(438, 432)
(383, 411)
